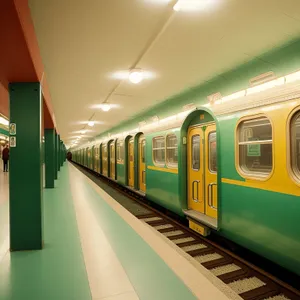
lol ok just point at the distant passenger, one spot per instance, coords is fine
(5, 157)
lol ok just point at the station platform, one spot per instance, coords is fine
(95, 249)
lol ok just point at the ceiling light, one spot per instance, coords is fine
(4, 121)
(91, 123)
(266, 86)
(83, 131)
(190, 5)
(135, 76)
(105, 107)
(290, 78)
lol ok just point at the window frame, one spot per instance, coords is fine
(291, 170)
(120, 143)
(192, 152)
(162, 164)
(112, 157)
(209, 155)
(143, 151)
(253, 175)
(167, 162)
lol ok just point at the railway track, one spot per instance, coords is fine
(244, 278)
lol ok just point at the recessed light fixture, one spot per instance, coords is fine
(91, 123)
(136, 76)
(133, 75)
(105, 107)
(191, 5)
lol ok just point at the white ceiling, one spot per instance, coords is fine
(83, 42)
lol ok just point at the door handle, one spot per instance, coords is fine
(195, 199)
(143, 176)
(210, 195)
(193, 191)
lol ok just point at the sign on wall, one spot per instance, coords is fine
(12, 128)
(13, 142)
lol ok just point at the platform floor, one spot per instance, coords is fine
(95, 249)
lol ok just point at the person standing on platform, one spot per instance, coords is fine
(5, 158)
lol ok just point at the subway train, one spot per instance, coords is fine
(229, 165)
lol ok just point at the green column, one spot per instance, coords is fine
(58, 152)
(25, 180)
(49, 157)
(61, 153)
(55, 156)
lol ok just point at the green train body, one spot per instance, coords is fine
(261, 214)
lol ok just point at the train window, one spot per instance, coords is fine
(212, 152)
(158, 148)
(143, 151)
(131, 150)
(112, 152)
(172, 151)
(196, 152)
(295, 144)
(255, 147)
(120, 152)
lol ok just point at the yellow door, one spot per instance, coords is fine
(131, 163)
(90, 158)
(195, 170)
(86, 157)
(104, 160)
(112, 160)
(211, 197)
(96, 159)
(142, 163)
(202, 170)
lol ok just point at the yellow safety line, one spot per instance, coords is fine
(174, 171)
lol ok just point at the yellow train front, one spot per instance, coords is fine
(229, 162)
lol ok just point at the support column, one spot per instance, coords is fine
(61, 153)
(55, 156)
(65, 153)
(58, 152)
(49, 157)
(26, 170)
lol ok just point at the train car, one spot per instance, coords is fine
(231, 165)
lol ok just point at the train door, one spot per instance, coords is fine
(94, 158)
(88, 151)
(211, 171)
(142, 163)
(131, 162)
(202, 170)
(97, 164)
(104, 160)
(112, 159)
(91, 151)
(87, 157)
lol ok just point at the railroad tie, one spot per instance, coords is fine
(244, 285)
(207, 257)
(183, 240)
(164, 226)
(278, 297)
